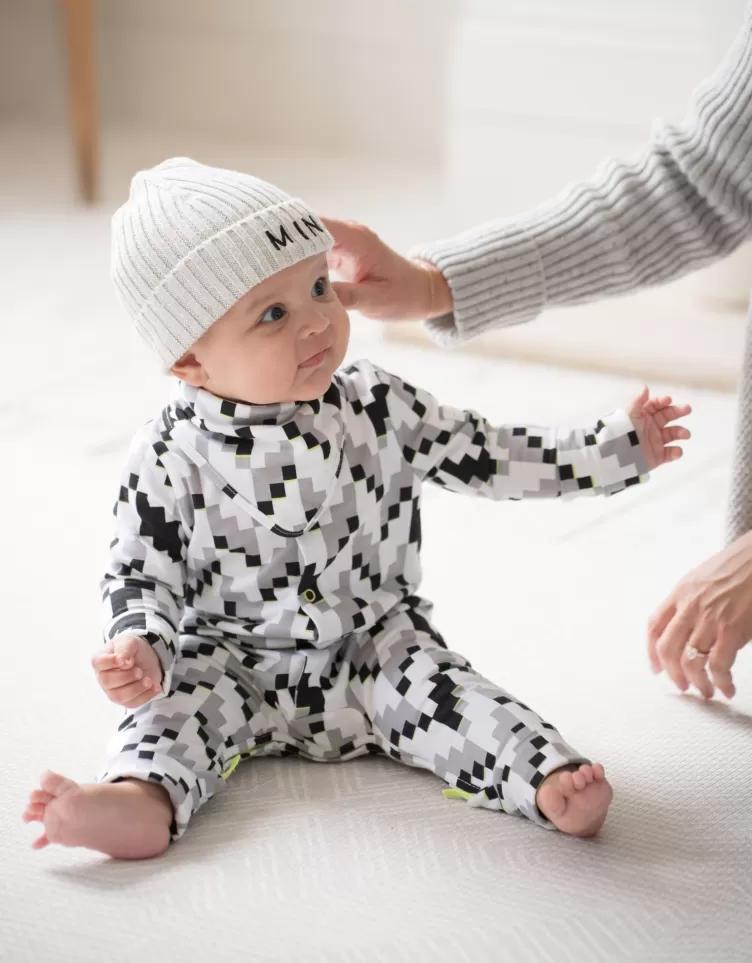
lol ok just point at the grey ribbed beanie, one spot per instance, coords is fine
(191, 240)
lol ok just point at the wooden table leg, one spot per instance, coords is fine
(79, 32)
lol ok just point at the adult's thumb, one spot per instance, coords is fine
(347, 294)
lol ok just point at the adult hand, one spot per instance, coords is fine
(380, 283)
(695, 635)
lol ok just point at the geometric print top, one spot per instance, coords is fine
(294, 525)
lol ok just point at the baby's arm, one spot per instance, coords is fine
(462, 451)
(143, 587)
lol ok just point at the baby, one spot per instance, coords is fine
(261, 595)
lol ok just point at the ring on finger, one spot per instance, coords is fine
(692, 653)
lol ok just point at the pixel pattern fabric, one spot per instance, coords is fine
(270, 555)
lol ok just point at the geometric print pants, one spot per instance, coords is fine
(395, 689)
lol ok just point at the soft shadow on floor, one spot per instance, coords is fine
(717, 709)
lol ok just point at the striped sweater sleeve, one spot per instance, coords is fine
(685, 201)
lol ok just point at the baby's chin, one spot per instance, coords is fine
(314, 388)
(308, 392)
(309, 385)
(315, 383)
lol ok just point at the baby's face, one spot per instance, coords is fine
(282, 341)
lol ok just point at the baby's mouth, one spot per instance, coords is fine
(316, 359)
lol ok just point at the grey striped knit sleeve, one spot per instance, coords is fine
(685, 201)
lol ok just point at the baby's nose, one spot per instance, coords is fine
(314, 323)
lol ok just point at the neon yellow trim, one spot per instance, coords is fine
(238, 759)
(233, 767)
(453, 793)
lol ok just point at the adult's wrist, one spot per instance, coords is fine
(439, 294)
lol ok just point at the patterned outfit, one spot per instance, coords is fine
(270, 555)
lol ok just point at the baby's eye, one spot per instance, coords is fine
(320, 287)
(275, 313)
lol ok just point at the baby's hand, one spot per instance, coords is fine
(651, 418)
(128, 670)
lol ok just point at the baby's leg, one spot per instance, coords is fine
(126, 820)
(166, 760)
(431, 709)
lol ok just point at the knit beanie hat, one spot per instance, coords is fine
(191, 240)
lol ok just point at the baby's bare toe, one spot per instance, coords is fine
(566, 786)
(579, 781)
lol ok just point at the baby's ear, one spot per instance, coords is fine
(190, 370)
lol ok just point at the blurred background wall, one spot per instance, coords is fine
(331, 75)
(421, 117)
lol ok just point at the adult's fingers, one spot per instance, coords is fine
(333, 260)
(722, 658)
(353, 237)
(657, 623)
(371, 298)
(696, 669)
(670, 648)
(347, 294)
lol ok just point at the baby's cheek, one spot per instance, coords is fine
(271, 370)
(341, 328)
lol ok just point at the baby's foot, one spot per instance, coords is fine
(126, 820)
(576, 802)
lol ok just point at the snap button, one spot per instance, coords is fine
(309, 595)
